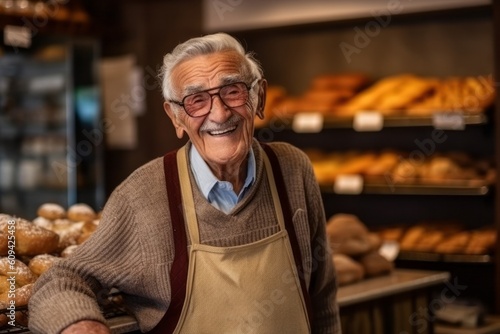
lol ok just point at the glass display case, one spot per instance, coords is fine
(51, 141)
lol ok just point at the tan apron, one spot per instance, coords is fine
(252, 288)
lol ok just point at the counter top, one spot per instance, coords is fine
(399, 281)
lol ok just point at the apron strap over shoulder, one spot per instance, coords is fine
(287, 213)
(179, 271)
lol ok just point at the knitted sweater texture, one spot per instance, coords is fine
(132, 249)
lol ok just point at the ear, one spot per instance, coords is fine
(261, 103)
(179, 131)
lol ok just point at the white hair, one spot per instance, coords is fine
(202, 46)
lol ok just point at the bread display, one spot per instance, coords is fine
(325, 92)
(451, 168)
(341, 95)
(442, 237)
(355, 249)
(39, 244)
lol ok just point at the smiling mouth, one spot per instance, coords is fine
(223, 132)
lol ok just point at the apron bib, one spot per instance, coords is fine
(251, 288)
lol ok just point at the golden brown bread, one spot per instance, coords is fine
(81, 212)
(481, 242)
(454, 244)
(23, 273)
(375, 264)
(31, 239)
(51, 211)
(348, 235)
(41, 263)
(347, 270)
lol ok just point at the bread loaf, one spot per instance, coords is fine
(347, 270)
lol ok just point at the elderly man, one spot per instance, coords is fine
(225, 235)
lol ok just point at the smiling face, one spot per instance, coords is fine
(224, 136)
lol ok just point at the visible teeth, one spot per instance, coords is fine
(220, 132)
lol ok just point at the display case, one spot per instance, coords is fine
(450, 43)
(51, 135)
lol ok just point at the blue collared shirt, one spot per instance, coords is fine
(219, 193)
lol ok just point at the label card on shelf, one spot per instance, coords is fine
(368, 121)
(448, 120)
(348, 184)
(308, 122)
(389, 250)
(17, 36)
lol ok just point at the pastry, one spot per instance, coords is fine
(347, 270)
(32, 240)
(81, 212)
(375, 264)
(51, 211)
(23, 274)
(348, 235)
(41, 263)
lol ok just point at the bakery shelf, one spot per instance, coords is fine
(437, 257)
(10, 132)
(399, 281)
(458, 189)
(311, 122)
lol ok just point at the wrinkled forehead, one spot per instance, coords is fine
(211, 70)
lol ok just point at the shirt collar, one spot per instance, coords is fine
(204, 177)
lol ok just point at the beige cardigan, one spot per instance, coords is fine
(132, 250)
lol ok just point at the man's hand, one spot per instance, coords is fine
(87, 327)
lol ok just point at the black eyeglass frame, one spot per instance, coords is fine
(248, 87)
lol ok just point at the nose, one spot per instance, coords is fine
(219, 112)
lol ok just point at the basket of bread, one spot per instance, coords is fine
(29, 248)
(355, 250)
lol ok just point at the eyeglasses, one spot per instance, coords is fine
(232, 95)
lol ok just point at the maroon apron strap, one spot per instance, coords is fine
(287, 215)
(179, 271)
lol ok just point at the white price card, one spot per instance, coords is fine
(308, 122)
(47, 83)
(348, 184)
(368, 121)
(17, 36)
(389, 250)
(448, 120)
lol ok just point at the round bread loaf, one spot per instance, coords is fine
(68, 232)
(23, 273)
(81, 212)
(348, 235)
(375, 264)
(41, 263)
(32, 240)
(43, 222)
(23, 294)
(347, 270)
(51, 211)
